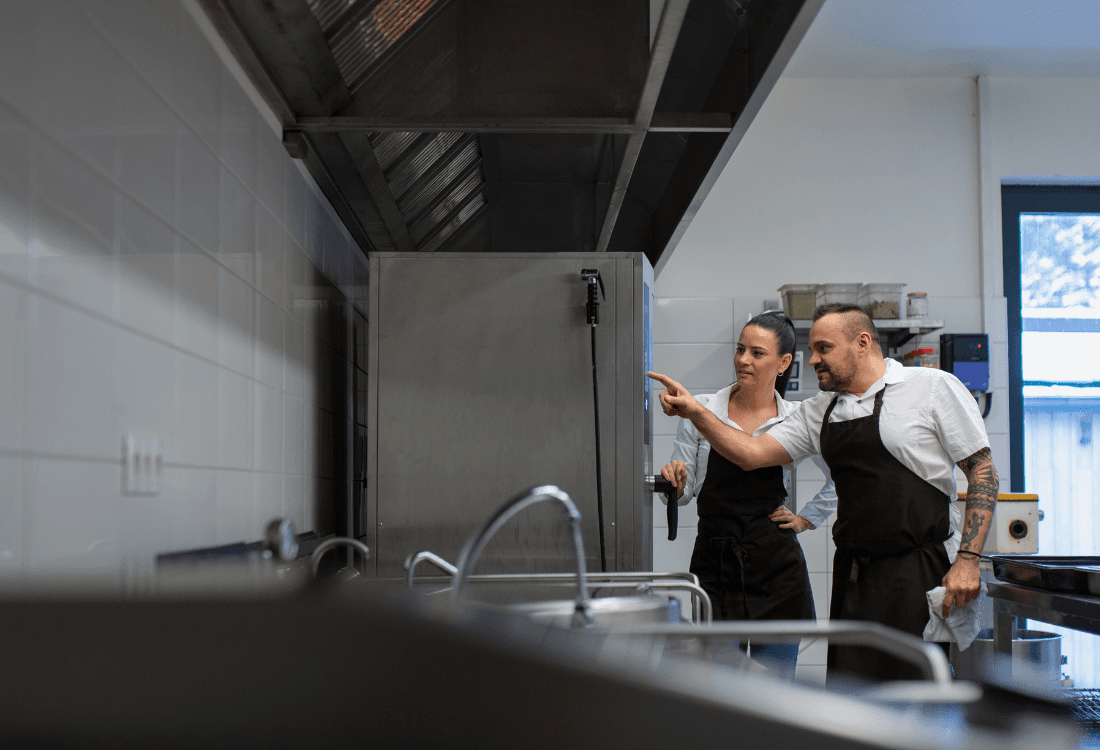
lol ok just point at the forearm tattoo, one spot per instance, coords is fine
(981, 498)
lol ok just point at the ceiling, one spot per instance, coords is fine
(897, 38)
(514, 125)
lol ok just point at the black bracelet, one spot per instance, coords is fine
(968, 552)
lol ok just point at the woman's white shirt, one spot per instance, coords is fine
(694, 450)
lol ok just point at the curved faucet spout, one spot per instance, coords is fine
(425, 556)
(325, 546)
(582, 613)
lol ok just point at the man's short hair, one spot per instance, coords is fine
(856, 319)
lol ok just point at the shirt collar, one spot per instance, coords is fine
(719, 406)
(895, 373)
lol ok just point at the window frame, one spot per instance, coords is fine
(1019, 199)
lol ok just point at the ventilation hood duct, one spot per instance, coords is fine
(514, 125)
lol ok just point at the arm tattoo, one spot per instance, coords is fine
(981, 498)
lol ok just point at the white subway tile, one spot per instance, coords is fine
(271, 168)
(11, 513)
(235, 415)
(147, 376)
(294, 360)
(315, 230)
(662, 423)
(270, 320)
(237, 148)
(13, 365)
(297, 194)
(813, 543)
(72, 250)
(197, 192)
(959, 314)
(295, 506)
(16, 146)
(235, 518)
(268, 503)
(996, 321)
(70, 382)
(193, 503)
(819, 584)
(17, 33)
(196, 318)
(237, 325)
(147, 141)
(662, 451)
(147, 271)
(745, 308)
(684, 320)
(237, 223)
(197, 409)
(999, 446)
(271, 240)
(73, 519)
(143, 33)
(703, 367)
(687, 517)
(145, 531)
(672, 556)
(196, 91)
(74, 70)
(268, 431)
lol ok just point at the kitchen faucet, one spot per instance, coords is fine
(582, 612)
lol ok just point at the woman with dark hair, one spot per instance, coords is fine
(746, 555)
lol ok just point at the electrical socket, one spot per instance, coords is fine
(142, 465)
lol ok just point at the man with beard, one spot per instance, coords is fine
(891, 436)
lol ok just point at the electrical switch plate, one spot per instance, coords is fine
(142, 465)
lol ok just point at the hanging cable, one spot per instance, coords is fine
(592, 278)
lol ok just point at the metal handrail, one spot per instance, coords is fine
(582, 614)
(927, 656)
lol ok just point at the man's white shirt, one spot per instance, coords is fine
(694, 450)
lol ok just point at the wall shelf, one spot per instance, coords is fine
(897, 332)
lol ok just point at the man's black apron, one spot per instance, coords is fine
(889, 532)
(750, 568)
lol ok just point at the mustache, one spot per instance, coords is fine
(821, 368)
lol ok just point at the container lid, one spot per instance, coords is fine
(882, 288)
(841, 287)
(917, 294)
(798, 288)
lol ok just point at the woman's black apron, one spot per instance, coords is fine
(750, 568)
(889, 532)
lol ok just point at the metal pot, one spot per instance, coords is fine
(1041, 650)
(607, 612)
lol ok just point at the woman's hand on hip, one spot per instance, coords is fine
(787, 520)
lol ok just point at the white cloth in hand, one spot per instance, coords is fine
(962, 624)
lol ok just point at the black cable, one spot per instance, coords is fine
(599, 478)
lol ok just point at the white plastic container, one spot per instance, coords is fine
(799, 300)
(848, 294)
(918, 304)
(883, 301)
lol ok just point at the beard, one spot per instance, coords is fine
(835, 378)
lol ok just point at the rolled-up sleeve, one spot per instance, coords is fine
(795, 435)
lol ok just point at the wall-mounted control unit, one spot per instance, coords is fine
(966, 356)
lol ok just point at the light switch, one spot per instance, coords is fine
(142, 465)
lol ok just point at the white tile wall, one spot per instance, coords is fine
(152, 280)
(688, 320)
(698, 367)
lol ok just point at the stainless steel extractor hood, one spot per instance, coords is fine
(514, 125)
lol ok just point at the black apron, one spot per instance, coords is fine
(889, 532)
(750, 568)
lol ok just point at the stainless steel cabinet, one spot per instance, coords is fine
(480, 386)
